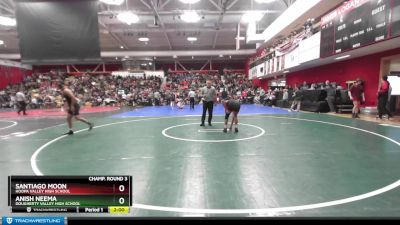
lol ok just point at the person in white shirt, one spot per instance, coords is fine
(21, 102)
(191, 96)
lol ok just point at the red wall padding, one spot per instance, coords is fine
(12, 75)
(367, 68)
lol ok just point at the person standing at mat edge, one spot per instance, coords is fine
(356, 94)
(72, 108)
(383, 97)
(231, 106)
(21, 101)
(209, 95)
(191, 96)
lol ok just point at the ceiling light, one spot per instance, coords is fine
(221, 56)
(264, 1)
(144, 64)
(192, 57)
(192, 39)
(190, 17)
(121, 47)
(1, 42)
(150, 63)
(144, 39)
(230, 57)
(175, 56)
(189, 1)
(286, 71)
(252, 16)
(343, 57)
(6, 21)
(128, 18)
(112, 2)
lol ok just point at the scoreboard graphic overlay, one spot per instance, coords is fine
(72, 194)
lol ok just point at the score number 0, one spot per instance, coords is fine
(121, 200)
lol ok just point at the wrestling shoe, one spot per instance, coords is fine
(91, 125)
(69, 133)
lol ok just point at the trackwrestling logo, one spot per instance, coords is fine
(33, 220)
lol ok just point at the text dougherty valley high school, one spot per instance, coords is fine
(41, 201)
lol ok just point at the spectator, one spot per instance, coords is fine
(331, 97)
(262, 96)
(285, 96)
(383, 97)
(356, 94)
(304, 86)
(297, 98)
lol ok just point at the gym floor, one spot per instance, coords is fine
(279, 164)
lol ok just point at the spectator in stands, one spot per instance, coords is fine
(13, 101)
(172, 99)
(257, 99)
(181, 103)
(271, 100)
(34, 103)
(3, 100)
(224, 94)
(304, 86)
(244, 96)
(383, 97)
(297, 98)
(157, 98)
(262, 96)
(326, 85)
(101, 90)
(285, 96)
(356, 94)
(312, 87)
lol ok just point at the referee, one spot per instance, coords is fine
(21, 100)
(209, 98)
